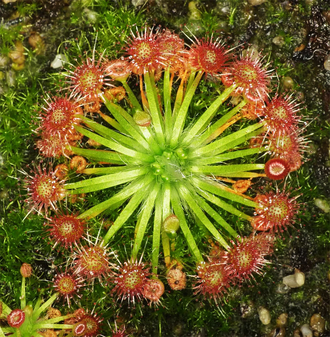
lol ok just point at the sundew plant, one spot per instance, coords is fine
(128, 130)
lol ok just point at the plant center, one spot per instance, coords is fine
(171, 165)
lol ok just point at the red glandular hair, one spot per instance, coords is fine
(247, 256)
(66, 229)
(60, 115)
(208, 56)
(212, 279)
(275, 211)
(92, 261)
(129, 280)
(67, 285)
(144, 52)
(249, 76)
(44, 190)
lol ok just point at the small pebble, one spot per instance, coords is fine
(91, 16)
(282, 320)
(247, 309)
(287, 82)
(264, 315)
(10, 78)
(317, 323)
(322, 204)
(306, 330)
(58, 61)
(278, 40)
(4, 60)
(256, 2)
(327, 62)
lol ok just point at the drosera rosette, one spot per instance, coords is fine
(275, 211)
(60, 115)
(28, 321)
(281, 114)
(144, 52)
(88, 80)
(277, 168)
(166, 163)
(153, 291)
(172, 165)
(288, 146)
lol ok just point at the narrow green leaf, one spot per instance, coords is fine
(129, 209)
(144, 217)
(23, 295)
(223, 170)
(131, 96)
(177, 207)
(5, 309)
(155, 110)
(229, 155)
(156, 235)
(45, 325)
(181, 116)
(207, 116)
(115, 146)
(111, 134)
(115, 201)
(122, 175)
(222, 204)
(190, 199)
(104, 170)
(6, 331)
(102, 155)
(46, 305)
(218, 145)
(126, 121)
(166, 211)
(209, 132)
(217, 217)
(167, 102)
(215, 188)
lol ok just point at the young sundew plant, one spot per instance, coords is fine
(176, 173)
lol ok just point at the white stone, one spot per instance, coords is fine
(296, 280)
(306, 330)
(256, 2)
(322, 204)
(326, 63)
(264, 315)
(59, 61)
(91, 16)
